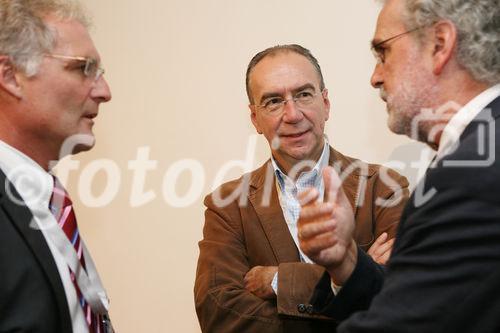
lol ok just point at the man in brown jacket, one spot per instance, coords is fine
(251, 275)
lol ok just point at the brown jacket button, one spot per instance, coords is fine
(301, 308)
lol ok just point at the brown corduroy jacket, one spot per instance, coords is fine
(245, 227)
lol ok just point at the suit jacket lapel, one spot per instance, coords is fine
(264, 199)
(20, 216)
(353, 177)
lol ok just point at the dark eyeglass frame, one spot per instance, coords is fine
(379, 52)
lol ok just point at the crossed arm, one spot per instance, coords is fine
(259, 279)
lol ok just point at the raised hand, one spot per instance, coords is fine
(326, 228)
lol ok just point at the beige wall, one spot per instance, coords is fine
(176, 69)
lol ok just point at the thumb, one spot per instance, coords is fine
(332, 184)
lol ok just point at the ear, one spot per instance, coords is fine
(326, 101)
(445, 40)
(8, 79)
(253, 116)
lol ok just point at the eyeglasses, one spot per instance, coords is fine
(378, 49)
(90, 66)
(275, 106)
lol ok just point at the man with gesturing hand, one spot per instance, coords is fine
(439, 72)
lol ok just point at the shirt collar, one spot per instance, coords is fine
(463, 118)
(30, 180)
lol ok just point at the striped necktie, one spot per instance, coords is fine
(62, 209)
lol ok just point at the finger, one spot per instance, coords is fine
(246, 279)
(382, 249)
(317, 244)
(381, 239)
(318, 212)
(386, 247)
(385, 257)
(308, 196)
(332, 184)
(378, 242)
(317, 228)
(249, 274)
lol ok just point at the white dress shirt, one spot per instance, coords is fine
(35, 186)
(461, 119)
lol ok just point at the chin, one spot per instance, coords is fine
(77, 143)
(395, 122)
(393, 126)
(82, 147)
(300, 154)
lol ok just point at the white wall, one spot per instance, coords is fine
(176, 69)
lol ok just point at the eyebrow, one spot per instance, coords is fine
(294, 91)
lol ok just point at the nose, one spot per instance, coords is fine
(101, 91)
(377, 79)
(291, 114)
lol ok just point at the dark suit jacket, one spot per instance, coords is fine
(444, 267)
(32, 297)
(247, 233)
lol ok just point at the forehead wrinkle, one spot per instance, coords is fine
(294, 77)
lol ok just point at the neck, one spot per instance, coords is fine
(41, 154)
(455, 99)
(32, 152)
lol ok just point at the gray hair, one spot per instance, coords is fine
(271, 51)
(478, 27)
(25, 37)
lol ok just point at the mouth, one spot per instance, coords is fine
(383, 94)
(294, 135)
(90, 115)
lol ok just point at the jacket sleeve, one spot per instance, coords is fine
(296, 282)
(445, 248)
(222, 303)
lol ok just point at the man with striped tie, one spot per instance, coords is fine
(51, 86)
